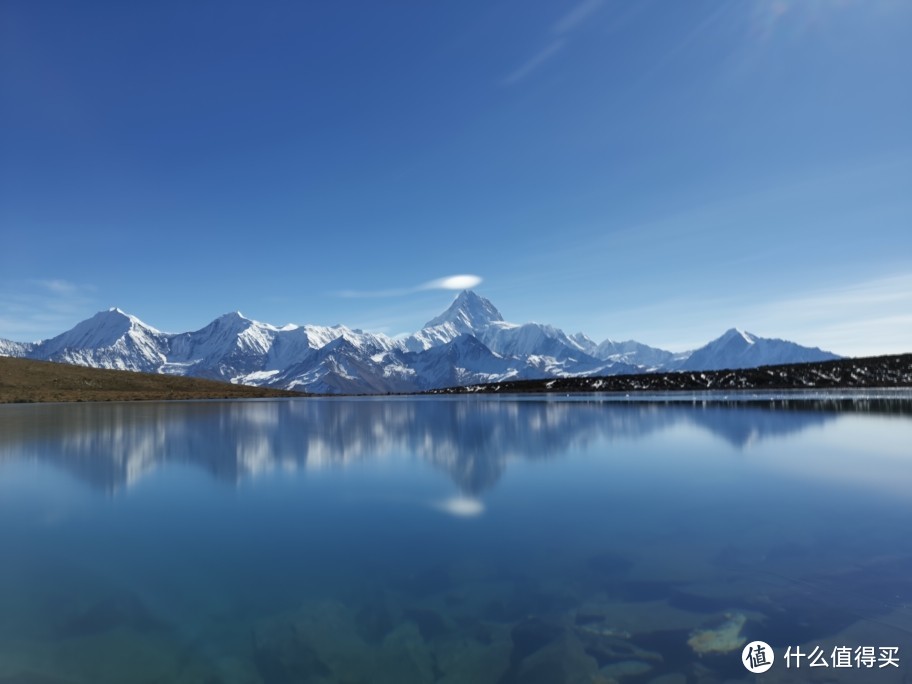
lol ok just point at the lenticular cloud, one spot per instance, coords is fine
(455, 282)
(463, 281)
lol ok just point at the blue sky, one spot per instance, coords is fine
(651, 170)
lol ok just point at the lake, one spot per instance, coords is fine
(483, 540)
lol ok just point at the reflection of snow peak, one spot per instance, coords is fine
(462, 507)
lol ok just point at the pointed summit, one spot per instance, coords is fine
(469, 313)
(232, 317)
(736, 334)
(228, 324)
(115, 318)
(101, 330)
(109, 339)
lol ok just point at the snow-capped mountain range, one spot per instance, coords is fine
(469, 343)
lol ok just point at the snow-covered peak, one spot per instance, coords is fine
(115, 316)
(739, 349)
(109, 339)
(737, 334)
(469, 313)
(101, 330)
(584, 342)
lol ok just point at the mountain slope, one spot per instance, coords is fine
(738, 349)
(110, 339)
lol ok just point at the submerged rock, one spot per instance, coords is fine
(374, 620)
(429, 622)
(466, 658)
(608, 649)
(403, 658)
(313, 645)
(327, 641)
(281, 657)
(564, 660)
(725, 638)
(530, 635)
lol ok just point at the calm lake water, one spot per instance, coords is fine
(450, 540)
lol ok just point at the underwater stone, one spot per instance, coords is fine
(320, 644)
(374, 621)
(429, 623)
(403, 659)
(280, 658)
(531, 635)
(564, 660)
(466, 659)
(722, 639)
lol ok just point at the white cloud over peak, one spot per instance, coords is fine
(463, 281)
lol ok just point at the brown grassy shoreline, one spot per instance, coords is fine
(27, 381)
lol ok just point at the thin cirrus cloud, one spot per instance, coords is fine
(453, 282)
(577, 16)
(856, 319)
(58, 286)
(560, 30)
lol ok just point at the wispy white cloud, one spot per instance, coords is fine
(41, 308)
(562, 28)
(796, 18)
(857, 319)
(577, 16)
(453, 282)
(534, 63)
(57, 286)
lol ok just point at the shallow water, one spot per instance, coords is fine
(453, 540)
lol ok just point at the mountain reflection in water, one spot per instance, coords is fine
(112, 446)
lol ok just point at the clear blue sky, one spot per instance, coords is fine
(655, 170)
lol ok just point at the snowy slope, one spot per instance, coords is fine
(10, 348)
(468, 313)
(110, 339)
(464, 360)
(738, 349)
(636, 353)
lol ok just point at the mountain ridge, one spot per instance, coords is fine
(469, 343)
